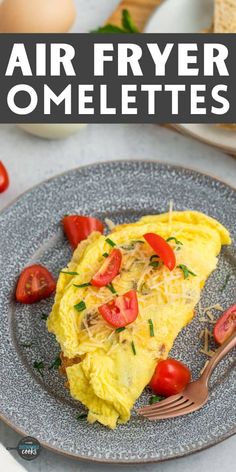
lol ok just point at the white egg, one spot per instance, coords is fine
(52, 131)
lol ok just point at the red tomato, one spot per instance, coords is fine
(162, 249)
(109, 269)
(226, 325)
(170, 378)
(79, 227)
(34, 284)
(4, 179)
(120, 311)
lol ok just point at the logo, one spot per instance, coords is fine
(28, 448)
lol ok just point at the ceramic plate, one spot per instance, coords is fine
(31, 232)
(184, 16)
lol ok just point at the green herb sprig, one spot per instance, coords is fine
(82, 285)
(110, 242)
(127, 23)
(119, 330)
(81, 306)
(55, 364)
(111, 288)
(39, 366)
(151, 328)
(133, 348)
(186, 271)
(68, 273)
(177, 242)
(155, 399)
(44, 316)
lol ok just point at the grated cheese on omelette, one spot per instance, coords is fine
(110, 377)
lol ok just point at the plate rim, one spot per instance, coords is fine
(194, 449)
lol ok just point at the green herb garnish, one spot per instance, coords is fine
(39, 366)
(186, 271)
(109, 241)
(119, 330)
(82, 285)
(151, 328)
(111, 288)
(56, 363)
(133, 348)
(128, 25)
(105, 254)
(81, 416)
(81, 306)
(131, 245)
(44, 316)
(177, 242)
(153, 261)
(225, 283)
(26, 344)
(69, 273)
(155, 399)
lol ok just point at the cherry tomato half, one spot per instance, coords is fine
(109, 269)
(34, 284)
(162, 249)
(226, 325)
(4, 179)
(120, 311)
(170, 377)
(79, 227)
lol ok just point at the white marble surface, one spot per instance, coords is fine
(31, 160)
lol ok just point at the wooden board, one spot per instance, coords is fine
(140, 11)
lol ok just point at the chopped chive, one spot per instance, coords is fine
(155, 399)
(151, 328)
(131, 245)
(69, 273)
(82, 285)
(153, 257)
(39, 366)
(56, 363)
(111, 288)
(109, 241)
(81, 416)
(26, 344)
(154, 264)
(105, 254)
(172, 238)
(225, 283)
(186, 271)
(81, 306)
(44, 316)
(119, 330)
(133, 348)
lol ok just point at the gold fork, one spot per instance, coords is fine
(194, 396)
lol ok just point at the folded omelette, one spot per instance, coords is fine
(108, 369)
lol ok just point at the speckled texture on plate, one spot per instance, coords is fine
(30, 232)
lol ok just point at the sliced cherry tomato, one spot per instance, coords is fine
(79, 227)
(109, 269)
(4, 179)
(120, 311)
(162, 249)
(34, 284)
(226, 325)
(170, 377)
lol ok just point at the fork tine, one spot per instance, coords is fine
(169, 410)
(174, 414)
(172, 407)
(167, 401)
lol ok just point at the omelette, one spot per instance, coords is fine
(108, 368)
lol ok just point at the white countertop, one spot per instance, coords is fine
(30, 160)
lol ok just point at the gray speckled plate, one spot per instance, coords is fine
(30, 232)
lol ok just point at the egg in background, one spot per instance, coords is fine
(36, 16)
(40, 16)
(52, 131)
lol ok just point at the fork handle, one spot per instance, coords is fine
(218, 356)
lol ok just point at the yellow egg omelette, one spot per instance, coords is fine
(108, 369)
